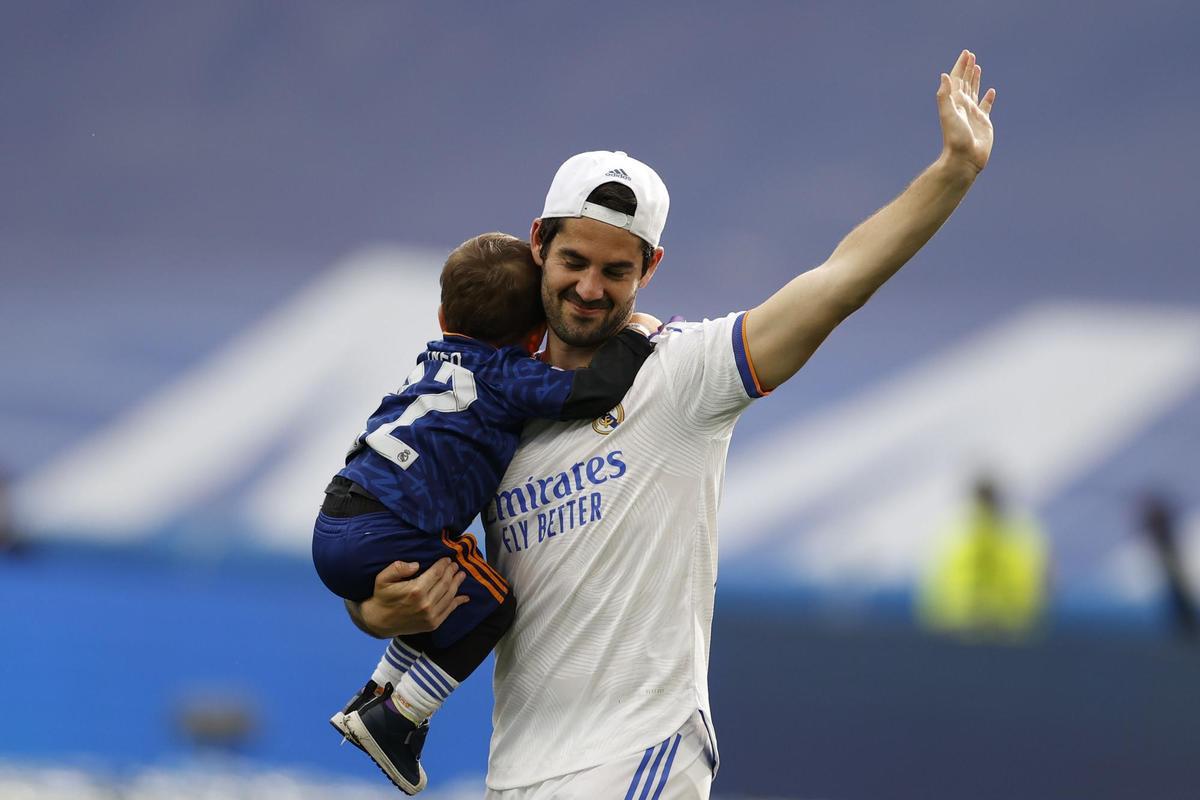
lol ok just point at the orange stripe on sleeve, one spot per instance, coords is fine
(749, 360)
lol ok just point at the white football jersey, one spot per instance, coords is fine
(606, 532)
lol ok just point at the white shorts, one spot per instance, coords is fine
(678, 768)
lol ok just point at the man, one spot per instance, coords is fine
(1159, 522)
(606, 531)
(989, 579)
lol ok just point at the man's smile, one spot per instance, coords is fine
(587, 308)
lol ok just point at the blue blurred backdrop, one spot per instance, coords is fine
(220, 244)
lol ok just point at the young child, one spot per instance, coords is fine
(430, 458)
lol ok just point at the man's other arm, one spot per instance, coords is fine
(403, 604)
(783, 332)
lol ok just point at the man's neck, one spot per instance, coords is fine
(566, 356)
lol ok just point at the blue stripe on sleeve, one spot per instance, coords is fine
(742, 358)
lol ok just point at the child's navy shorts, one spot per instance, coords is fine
(356, 536)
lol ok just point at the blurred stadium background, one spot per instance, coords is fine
(219, 245)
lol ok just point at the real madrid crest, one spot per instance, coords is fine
(608, 423)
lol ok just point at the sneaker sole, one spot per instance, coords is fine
(362, 737)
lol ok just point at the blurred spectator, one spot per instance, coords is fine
(10, 543)
(988, 579)
(217, 719)
(1158, 521)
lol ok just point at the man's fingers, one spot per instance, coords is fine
(976, 74)
(438, 581)
(437, 576)
(450, 600)
(455, 602)
(440, 568)
(454, 584)
(985, 105)
(395, 572)
(960, 66)
(396, 579)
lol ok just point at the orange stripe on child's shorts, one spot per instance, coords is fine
(474, 545)
(486, 571)
(487, 568)
(461, 557)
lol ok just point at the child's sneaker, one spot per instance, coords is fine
(367, 693)
(393, 742)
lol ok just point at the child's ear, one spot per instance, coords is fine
(442, 318)
(534, 340)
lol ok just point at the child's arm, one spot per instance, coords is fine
(596, 389)
(534, 389)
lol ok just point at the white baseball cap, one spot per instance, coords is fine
(582, 173)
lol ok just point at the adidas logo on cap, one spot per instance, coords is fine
(583, 173)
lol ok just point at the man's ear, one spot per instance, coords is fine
(650, 270)
(441, 318)
(535, 241)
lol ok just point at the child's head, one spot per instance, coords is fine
(491, 290)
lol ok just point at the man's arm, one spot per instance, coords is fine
(783, 332)
(402, 604)
(596, 388)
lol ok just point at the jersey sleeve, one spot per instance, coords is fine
(534, 389)
(531, 388)
(599, 387)
(709, 370)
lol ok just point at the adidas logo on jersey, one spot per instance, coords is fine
(618, 173)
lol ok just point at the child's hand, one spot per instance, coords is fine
(648, 321)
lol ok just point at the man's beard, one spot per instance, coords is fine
(586, 333)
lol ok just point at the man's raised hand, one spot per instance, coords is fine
(966, 123)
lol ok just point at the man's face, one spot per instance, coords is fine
(590, 278)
